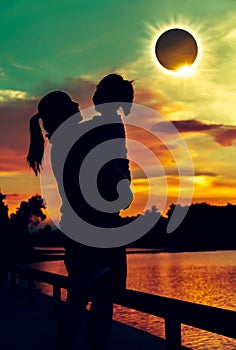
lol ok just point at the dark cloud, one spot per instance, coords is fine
(14, 127)
(190, 125)
(193, 125)
(205, 173)
(15, 196)
(13, 161)
(223, 134)
(226, 136)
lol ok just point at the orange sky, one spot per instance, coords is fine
(211, 146)
(201, 106)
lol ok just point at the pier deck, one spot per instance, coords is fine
(33, 327)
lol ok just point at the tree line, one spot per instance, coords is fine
(205, 227)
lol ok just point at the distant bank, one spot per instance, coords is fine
(60, 250)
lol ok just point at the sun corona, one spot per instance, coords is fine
(176, 51)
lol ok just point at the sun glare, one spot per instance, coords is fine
(185, 71)
(201, 181)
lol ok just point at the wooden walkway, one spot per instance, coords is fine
(33, 327)
(174, 312)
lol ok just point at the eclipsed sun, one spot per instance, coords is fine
(177, 51)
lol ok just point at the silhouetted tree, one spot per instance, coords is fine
(48, 237)
(3, 210)
(155, 237)
(205, 227)
(4, 238)
(29, 214)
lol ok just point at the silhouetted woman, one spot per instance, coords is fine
(94, 274)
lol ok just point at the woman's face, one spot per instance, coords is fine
(55, 114)
(73, 107)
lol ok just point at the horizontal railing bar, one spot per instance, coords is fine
(209, 318)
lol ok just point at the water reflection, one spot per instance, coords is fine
(207, 278)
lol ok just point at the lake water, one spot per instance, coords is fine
(202, 277)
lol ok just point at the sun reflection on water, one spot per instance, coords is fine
(203, 277)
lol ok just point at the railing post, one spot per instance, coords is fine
(31, 287)
(56, 299)
(172, 333)
(13, 282)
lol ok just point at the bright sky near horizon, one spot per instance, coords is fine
(70, 45)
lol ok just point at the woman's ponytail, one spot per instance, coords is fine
(36, 148)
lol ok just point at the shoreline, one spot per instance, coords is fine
(57, 253)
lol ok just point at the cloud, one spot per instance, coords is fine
(80, 89)
(193, 125)
(147, 95)
(205, 173)
(7, 173)
(12, 95)
(22, 66)
(16, 108)
(2, 73)
(15, 196)
(225, 135)
(12, 161)
(14, 130)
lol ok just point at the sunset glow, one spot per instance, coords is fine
(199, 99)
(163, 148)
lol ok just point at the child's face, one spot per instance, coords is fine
(100, 100)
